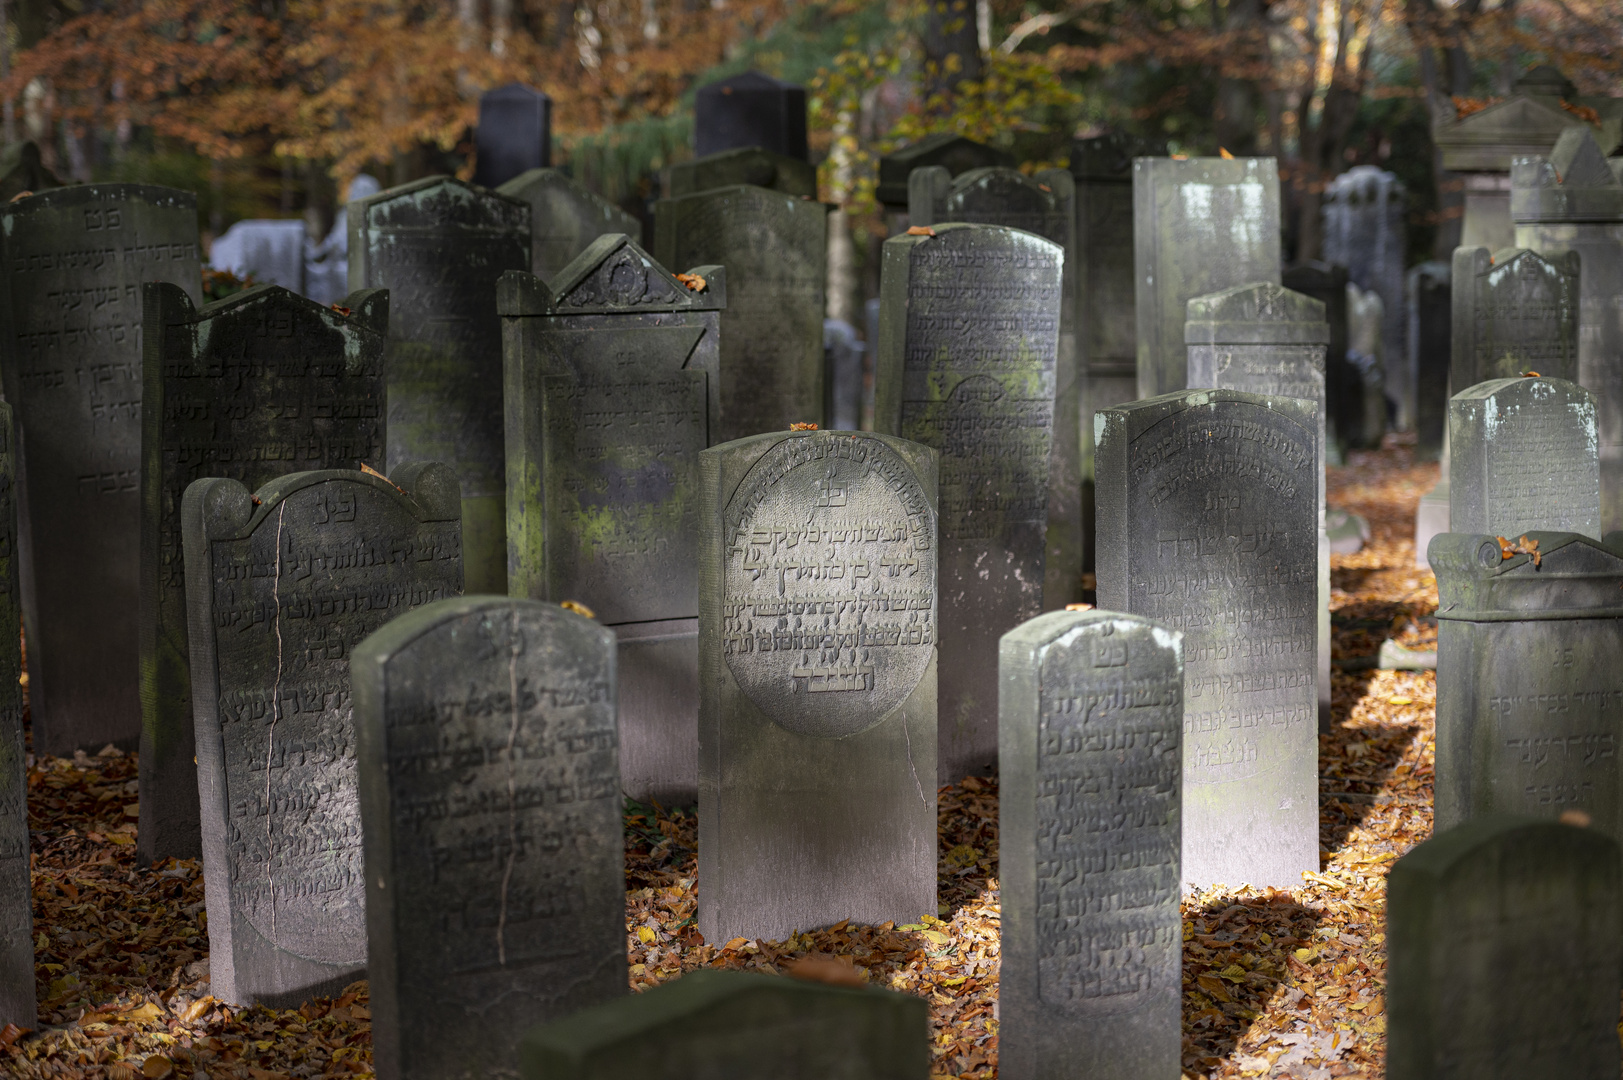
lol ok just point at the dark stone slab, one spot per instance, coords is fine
(1514, 312)
(23, 172)
(1431, 331)
(1503, 954)
(514, 133)
(1208, 525)
(17, 1004)
(1346, 424)
(491, 814)
(751, 165)
(439, 245)
(1366, 230)
(775, 249)
(75, 259)
(611, 394)
(738, 1025)
(260, 384)
(817, 719)
(968, 333)
(952, 152)
(564, 218)
(1090, 787)
(281, 585)
(751, 109)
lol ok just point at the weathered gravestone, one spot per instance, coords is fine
(746, 165)
(968, 333)
(281, 584)
(1091, 776)
(17, 1005)
(1200, 225)
(439, 245)
(75, 259)
(1365, 230)
(1515, 312)
(564, 218)
(952, 152)
(1522, 457)
(260, 384)
(491, 814)
(1430, 305)
(1503, 954)
(514, 134)
(269, 251)
(1208, 524)
(1344, 421)
(611, 394)
(738, 1025)
(1529, 691)
(751, 109)
(775, 249)
(817, 682)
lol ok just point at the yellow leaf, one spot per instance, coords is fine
(1400, 701)
(145, 1014)
(578, 608)
(936, 937)
(1233, 973)
(645, 935)
(1214, 986)
(954, 981)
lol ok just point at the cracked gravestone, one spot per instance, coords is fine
(17, 1005)
(564, 218)
(1515, 312)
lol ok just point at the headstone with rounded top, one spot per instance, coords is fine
(1366, 230)
(1515, 313)
(17, 1004)
(751, 109)
(514, 133)
(564, 218)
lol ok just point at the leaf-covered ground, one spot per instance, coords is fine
(1276, 984)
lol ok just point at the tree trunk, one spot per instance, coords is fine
(951, 45)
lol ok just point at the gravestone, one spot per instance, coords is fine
(1208, 505)
(952, 152)
(1430, 291)
(1089, 720)
(968, 333)
(491, 815)
(1366, 230)
(1184, 212)
(746, 165)
(1503, 954)
(843, 353)
(1528, 684)
(1514, 312)
(260, 384)
(611, 394)
(1366, 354)
(23, 172)
(17, 1005)
(281, 585)
(326, 265)
(75, 259)
(775, 249)
(817, 682)
(751, 109)
(1344, 420)
(738, 1025)
(564, 218)
(439, 245)
(514, 134)
(269, 251)
(1044, 204)
(1522, 457)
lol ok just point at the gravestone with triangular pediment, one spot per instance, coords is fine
(752, 165)
(564, 217)
(1515, 313)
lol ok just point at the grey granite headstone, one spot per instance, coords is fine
(564, 218)
(1344, 420)
(817, 682)
(1503, 953)
(1431, 328)
(951, 151)
(741, 1026)
(439, 245)
(611, 394)
(775, 249)
(260, 384)
(1208, 524)
(17, 1004)
(492, 832)
(1366, 230)
(1200, 225)
(514, 134)
(1529, 690)
(75, 259)
(1091, 775)
(270, 251)
(1514, 312)
(751, 109)
(1522, 457)
(751, 165)
(968, 333)
(281, 585)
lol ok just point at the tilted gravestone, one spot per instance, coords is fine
(1091, 773)
(439, 245)
(775, 249)
(968, 333)
(17, 1005)
(1185, 212)
(1515, 312)
(1503, 953)
(564, 218)
(611, 394)
(260, 384)
(817, 682)
(739, 1025)
(75, 259)
(952, 152)
(491, 814)
(1431, 326)
(746, 165)
(1208, 507)
(1522, 457)
(514, 133)
(1344, 420)
(1366, 230)
(281, 585)
(1529, 693)
(751, 109)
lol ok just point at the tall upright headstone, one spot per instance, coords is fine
(1200, 225)
(968, 335)
(439, 245)
(281, 585)
(951, 151)
(751, 109)
(75, 259)
(817, 682)
(494, 847)
(17, 1004)
(775, 249)
(1208, 503)
(1430, 308)
(1503, 954)
(1090, 780)
(260, 384)
(564, 218)
(611, 394)
(514, 134)
(751, 165)
(1514, 312)
(1366, 230)
(1344, 420)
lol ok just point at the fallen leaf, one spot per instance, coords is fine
(144, 1014)
(921, 230)
(803, 427)
(645, 935)
(578, 608)
(11, 1033)
(835, 971)
(157, 1067)
(341, 309)
(694, 282)
(197, 1009)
